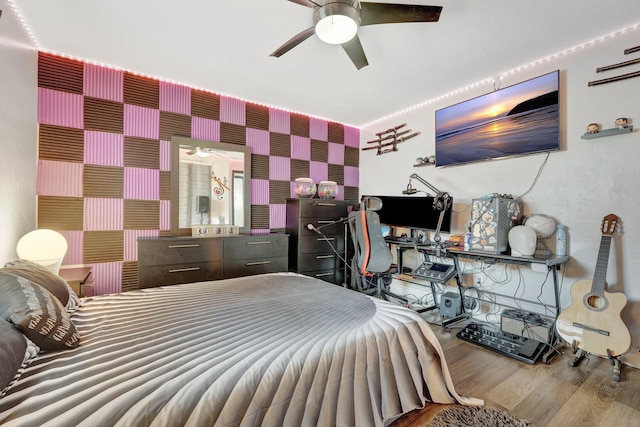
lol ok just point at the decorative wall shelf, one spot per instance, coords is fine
(608, 132)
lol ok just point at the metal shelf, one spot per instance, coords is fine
(608, 132)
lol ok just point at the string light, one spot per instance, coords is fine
(39, 47)
(549, 58)
(507, 73)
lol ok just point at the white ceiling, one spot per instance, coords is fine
(224, 47)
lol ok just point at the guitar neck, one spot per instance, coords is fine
(600, 275)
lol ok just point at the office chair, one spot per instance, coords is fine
(44, 247)
(372, 257)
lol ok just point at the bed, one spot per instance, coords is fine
(278, 349)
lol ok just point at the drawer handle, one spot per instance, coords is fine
(327, 204)
(258, 263)
(181, 270)
(195, 245)
(324, 256)
(324, 274)
(321, 239)
(260, 242)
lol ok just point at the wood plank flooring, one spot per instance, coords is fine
(553, 395)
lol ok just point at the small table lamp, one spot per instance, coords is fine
(44, 247)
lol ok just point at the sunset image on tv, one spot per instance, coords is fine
(520, 119)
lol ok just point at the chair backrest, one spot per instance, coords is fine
(371, 251)
(44, 247)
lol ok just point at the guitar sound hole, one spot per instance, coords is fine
(596, 302)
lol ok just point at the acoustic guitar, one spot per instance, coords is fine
(592, 322)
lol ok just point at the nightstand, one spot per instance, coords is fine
(77, 278)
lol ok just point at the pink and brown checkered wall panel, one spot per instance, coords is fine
(104, 158)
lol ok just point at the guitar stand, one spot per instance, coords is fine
(616, 366)
(580, 354)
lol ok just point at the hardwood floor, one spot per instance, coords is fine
(553, 395)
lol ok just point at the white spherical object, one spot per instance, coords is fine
(543, 225)
(522, 240)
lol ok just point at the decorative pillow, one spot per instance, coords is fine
(36, 313)
(13, 347)
(42, 276)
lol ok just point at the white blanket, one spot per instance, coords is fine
(272, 350)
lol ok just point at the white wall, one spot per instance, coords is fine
(580, 184)
(18, 133)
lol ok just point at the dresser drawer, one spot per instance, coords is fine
(256, 247)
(327, 227)
(179, 251)
(320, 261)
(319, 244)
(159, 275)
(248, 267)
(333, 276)
(319, 208)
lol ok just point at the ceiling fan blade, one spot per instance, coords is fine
(354, 49)
(388, 13)
(293, 42)
(307, 3)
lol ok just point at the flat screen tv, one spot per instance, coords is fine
(412, 212)
(513, 121)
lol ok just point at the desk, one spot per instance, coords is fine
(549, 264)
(552, 264)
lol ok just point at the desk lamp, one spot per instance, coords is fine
(441, 202)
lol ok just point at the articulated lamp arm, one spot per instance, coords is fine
(441, 202)
(442, 199)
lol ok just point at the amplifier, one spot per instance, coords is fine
(526, 324)
(435, 272)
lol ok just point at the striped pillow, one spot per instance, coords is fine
(13, 347)
(36, 313)
(44, 277)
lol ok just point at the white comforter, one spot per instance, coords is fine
(274, 350)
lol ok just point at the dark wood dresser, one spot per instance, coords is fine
(310, 253)
(172, 260)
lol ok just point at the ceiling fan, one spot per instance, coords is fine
(337, 22)
(198, 151)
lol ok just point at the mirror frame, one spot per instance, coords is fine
(176, 143)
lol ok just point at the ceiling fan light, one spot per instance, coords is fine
(336, 29)
(201, 153)
(336, 22)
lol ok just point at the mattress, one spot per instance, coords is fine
(276, 350)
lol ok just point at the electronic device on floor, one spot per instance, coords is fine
(526, 324)
(450, 304)
(526, 350)
(435, 272)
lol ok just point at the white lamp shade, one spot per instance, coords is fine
(543, 225)
(522, 240)
(44, 247)
(336, 29)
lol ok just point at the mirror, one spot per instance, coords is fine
(212, 186)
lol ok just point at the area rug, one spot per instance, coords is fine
(476, 416)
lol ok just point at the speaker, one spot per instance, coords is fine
(450, 304)
(202, 204)
(525, 324)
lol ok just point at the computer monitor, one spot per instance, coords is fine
(412, 212)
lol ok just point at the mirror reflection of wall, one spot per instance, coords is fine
(206, 196)
(238, 206)
(195, 194)
(212, 185)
